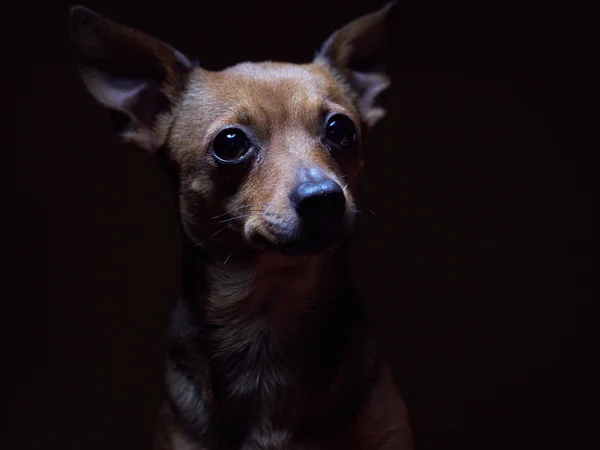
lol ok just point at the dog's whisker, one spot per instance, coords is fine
(227, 259)
(220, 215)
(238, 217)
(224, 214)
(254, 204)
(239, 209)
(225, 227)
(211, 236)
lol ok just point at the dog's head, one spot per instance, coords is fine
(266, 154)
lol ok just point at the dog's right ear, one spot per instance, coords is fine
(358, 53)
(137, 77)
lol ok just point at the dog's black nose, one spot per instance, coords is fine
(319, 203)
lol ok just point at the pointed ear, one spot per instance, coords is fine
(135, 76)
(358, 54)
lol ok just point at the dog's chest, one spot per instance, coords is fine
(265, 436)
(255, 322)
(260, 336)
(262, 437)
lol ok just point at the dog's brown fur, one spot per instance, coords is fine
(266, 349)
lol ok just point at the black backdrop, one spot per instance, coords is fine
(476, 262)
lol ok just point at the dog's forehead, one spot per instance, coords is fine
(288, 82)
(273, 72)
(266, 91)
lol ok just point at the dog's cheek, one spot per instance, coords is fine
(197, 203)
(190, 216)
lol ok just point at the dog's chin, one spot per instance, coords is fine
(300, 246)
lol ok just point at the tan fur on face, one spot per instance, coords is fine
(283, 107)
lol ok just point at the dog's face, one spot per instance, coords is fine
(271, 152)
(266, 154)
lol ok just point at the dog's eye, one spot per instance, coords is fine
(340, 131)
(230, 145)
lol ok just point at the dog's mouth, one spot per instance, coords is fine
(300, 246)
(295, 241)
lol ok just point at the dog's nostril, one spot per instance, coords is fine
(319, 201)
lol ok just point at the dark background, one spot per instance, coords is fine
(477, 261)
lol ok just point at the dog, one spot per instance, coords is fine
(269, 345)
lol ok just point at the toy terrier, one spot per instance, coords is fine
(269, 345)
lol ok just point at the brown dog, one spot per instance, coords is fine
(269, 346)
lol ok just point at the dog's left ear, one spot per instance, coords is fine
(358, 52)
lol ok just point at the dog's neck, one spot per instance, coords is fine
(271, 331)
(273, 289)
(249, 296)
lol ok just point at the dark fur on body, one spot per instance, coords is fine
(231, 369)
(269, 345)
